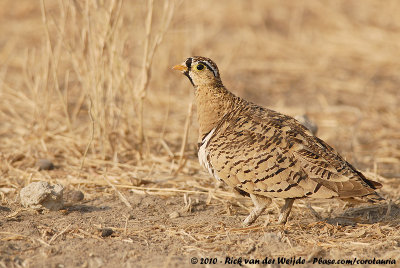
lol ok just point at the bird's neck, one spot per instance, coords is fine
(213, 102)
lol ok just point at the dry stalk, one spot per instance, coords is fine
(91, 137)
(58, 234)
(315, 213)
(89, 235)
(185, 138)
(120, 195)
(148, 54)
(55, 57)
(145, 71)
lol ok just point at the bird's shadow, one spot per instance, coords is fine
(367, 215)
(86, 208)
(6, 209)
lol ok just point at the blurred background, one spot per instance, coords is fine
(89, 86)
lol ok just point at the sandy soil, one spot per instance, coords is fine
(166, 231)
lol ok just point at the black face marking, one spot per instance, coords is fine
(189, 63)
(188, 76)
(189, 66)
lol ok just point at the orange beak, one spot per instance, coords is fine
(180, 67)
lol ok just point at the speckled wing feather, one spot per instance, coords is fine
(266, 153)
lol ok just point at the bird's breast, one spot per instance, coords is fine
(203, 155)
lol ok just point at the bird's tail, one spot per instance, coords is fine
(372, 198)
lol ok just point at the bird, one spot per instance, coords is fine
(263, 154)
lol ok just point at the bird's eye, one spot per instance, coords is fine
(200, 67)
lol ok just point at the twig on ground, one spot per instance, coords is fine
(120, 195)
(58, 234)
(315, 213)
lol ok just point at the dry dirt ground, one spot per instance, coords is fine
(167, 231)
(87, 85)
(146, 235)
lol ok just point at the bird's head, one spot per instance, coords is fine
(201, 71)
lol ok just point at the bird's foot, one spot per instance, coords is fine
(260, 203)
(252, 217)
(285, 211)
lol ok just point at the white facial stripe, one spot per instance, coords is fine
(210, 67)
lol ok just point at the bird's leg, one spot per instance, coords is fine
(260, 203)
(285, 211)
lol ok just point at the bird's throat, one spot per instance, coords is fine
(212, 104)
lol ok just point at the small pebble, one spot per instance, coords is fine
(45, 164)
(76, 196)
(106, 232)
(174, 215)
(17, 158)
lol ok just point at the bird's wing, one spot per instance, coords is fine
(267, 153)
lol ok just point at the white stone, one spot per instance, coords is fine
(42, 195)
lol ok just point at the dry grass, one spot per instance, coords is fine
(88, 85)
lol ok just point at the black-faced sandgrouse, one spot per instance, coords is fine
(265, 154)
